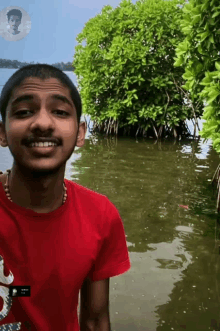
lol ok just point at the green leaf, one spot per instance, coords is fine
(216, 14)
(204, 35)
(200, 49)
(196, 19)
(211, 39)
(178, 62)
(213, 95)
(188, 75)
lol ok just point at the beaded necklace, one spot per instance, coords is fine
(7, 192)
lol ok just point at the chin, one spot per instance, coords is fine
(41, 169)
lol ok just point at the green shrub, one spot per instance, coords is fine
(199, 54)
(124, 62)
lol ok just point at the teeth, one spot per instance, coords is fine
(45, 144)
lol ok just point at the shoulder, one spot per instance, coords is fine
(85, 192)
(90, 199)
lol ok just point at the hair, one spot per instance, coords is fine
(16, 12)
(42, 71)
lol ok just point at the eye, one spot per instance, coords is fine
(61, 111)
(20, 112)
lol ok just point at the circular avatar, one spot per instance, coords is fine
(15, 23)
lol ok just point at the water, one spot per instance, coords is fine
(164, 196)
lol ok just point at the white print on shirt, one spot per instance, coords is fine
(7, 300)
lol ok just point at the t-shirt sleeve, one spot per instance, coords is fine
(113, 258)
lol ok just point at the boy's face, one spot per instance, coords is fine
(41, 109)
(14, 22)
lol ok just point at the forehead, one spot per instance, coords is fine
(41, 87)
(14, 17)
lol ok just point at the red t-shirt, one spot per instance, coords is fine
(53, 253)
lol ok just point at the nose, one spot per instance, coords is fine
(43, 120)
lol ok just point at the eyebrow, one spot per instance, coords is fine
(62, 98)
(29, 97)
(22, 98)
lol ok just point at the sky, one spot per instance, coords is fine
(55, 25)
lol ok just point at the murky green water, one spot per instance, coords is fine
(174, 280)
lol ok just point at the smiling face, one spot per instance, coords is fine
(14, 22)
(41, 109)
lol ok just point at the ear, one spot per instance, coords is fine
(81, 134)
(3, 139)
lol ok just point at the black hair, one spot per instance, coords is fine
(42, 71)
(16, 12)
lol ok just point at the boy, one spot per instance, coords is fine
(56, 236)
(14, 20)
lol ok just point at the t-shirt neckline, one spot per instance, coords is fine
(30, 213)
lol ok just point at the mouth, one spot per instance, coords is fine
(42, 148)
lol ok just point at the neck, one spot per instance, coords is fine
(39, 192)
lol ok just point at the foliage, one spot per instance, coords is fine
(124, 66)
(199, 54)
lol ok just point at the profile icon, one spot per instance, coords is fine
(15, 23)
(14, 20)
